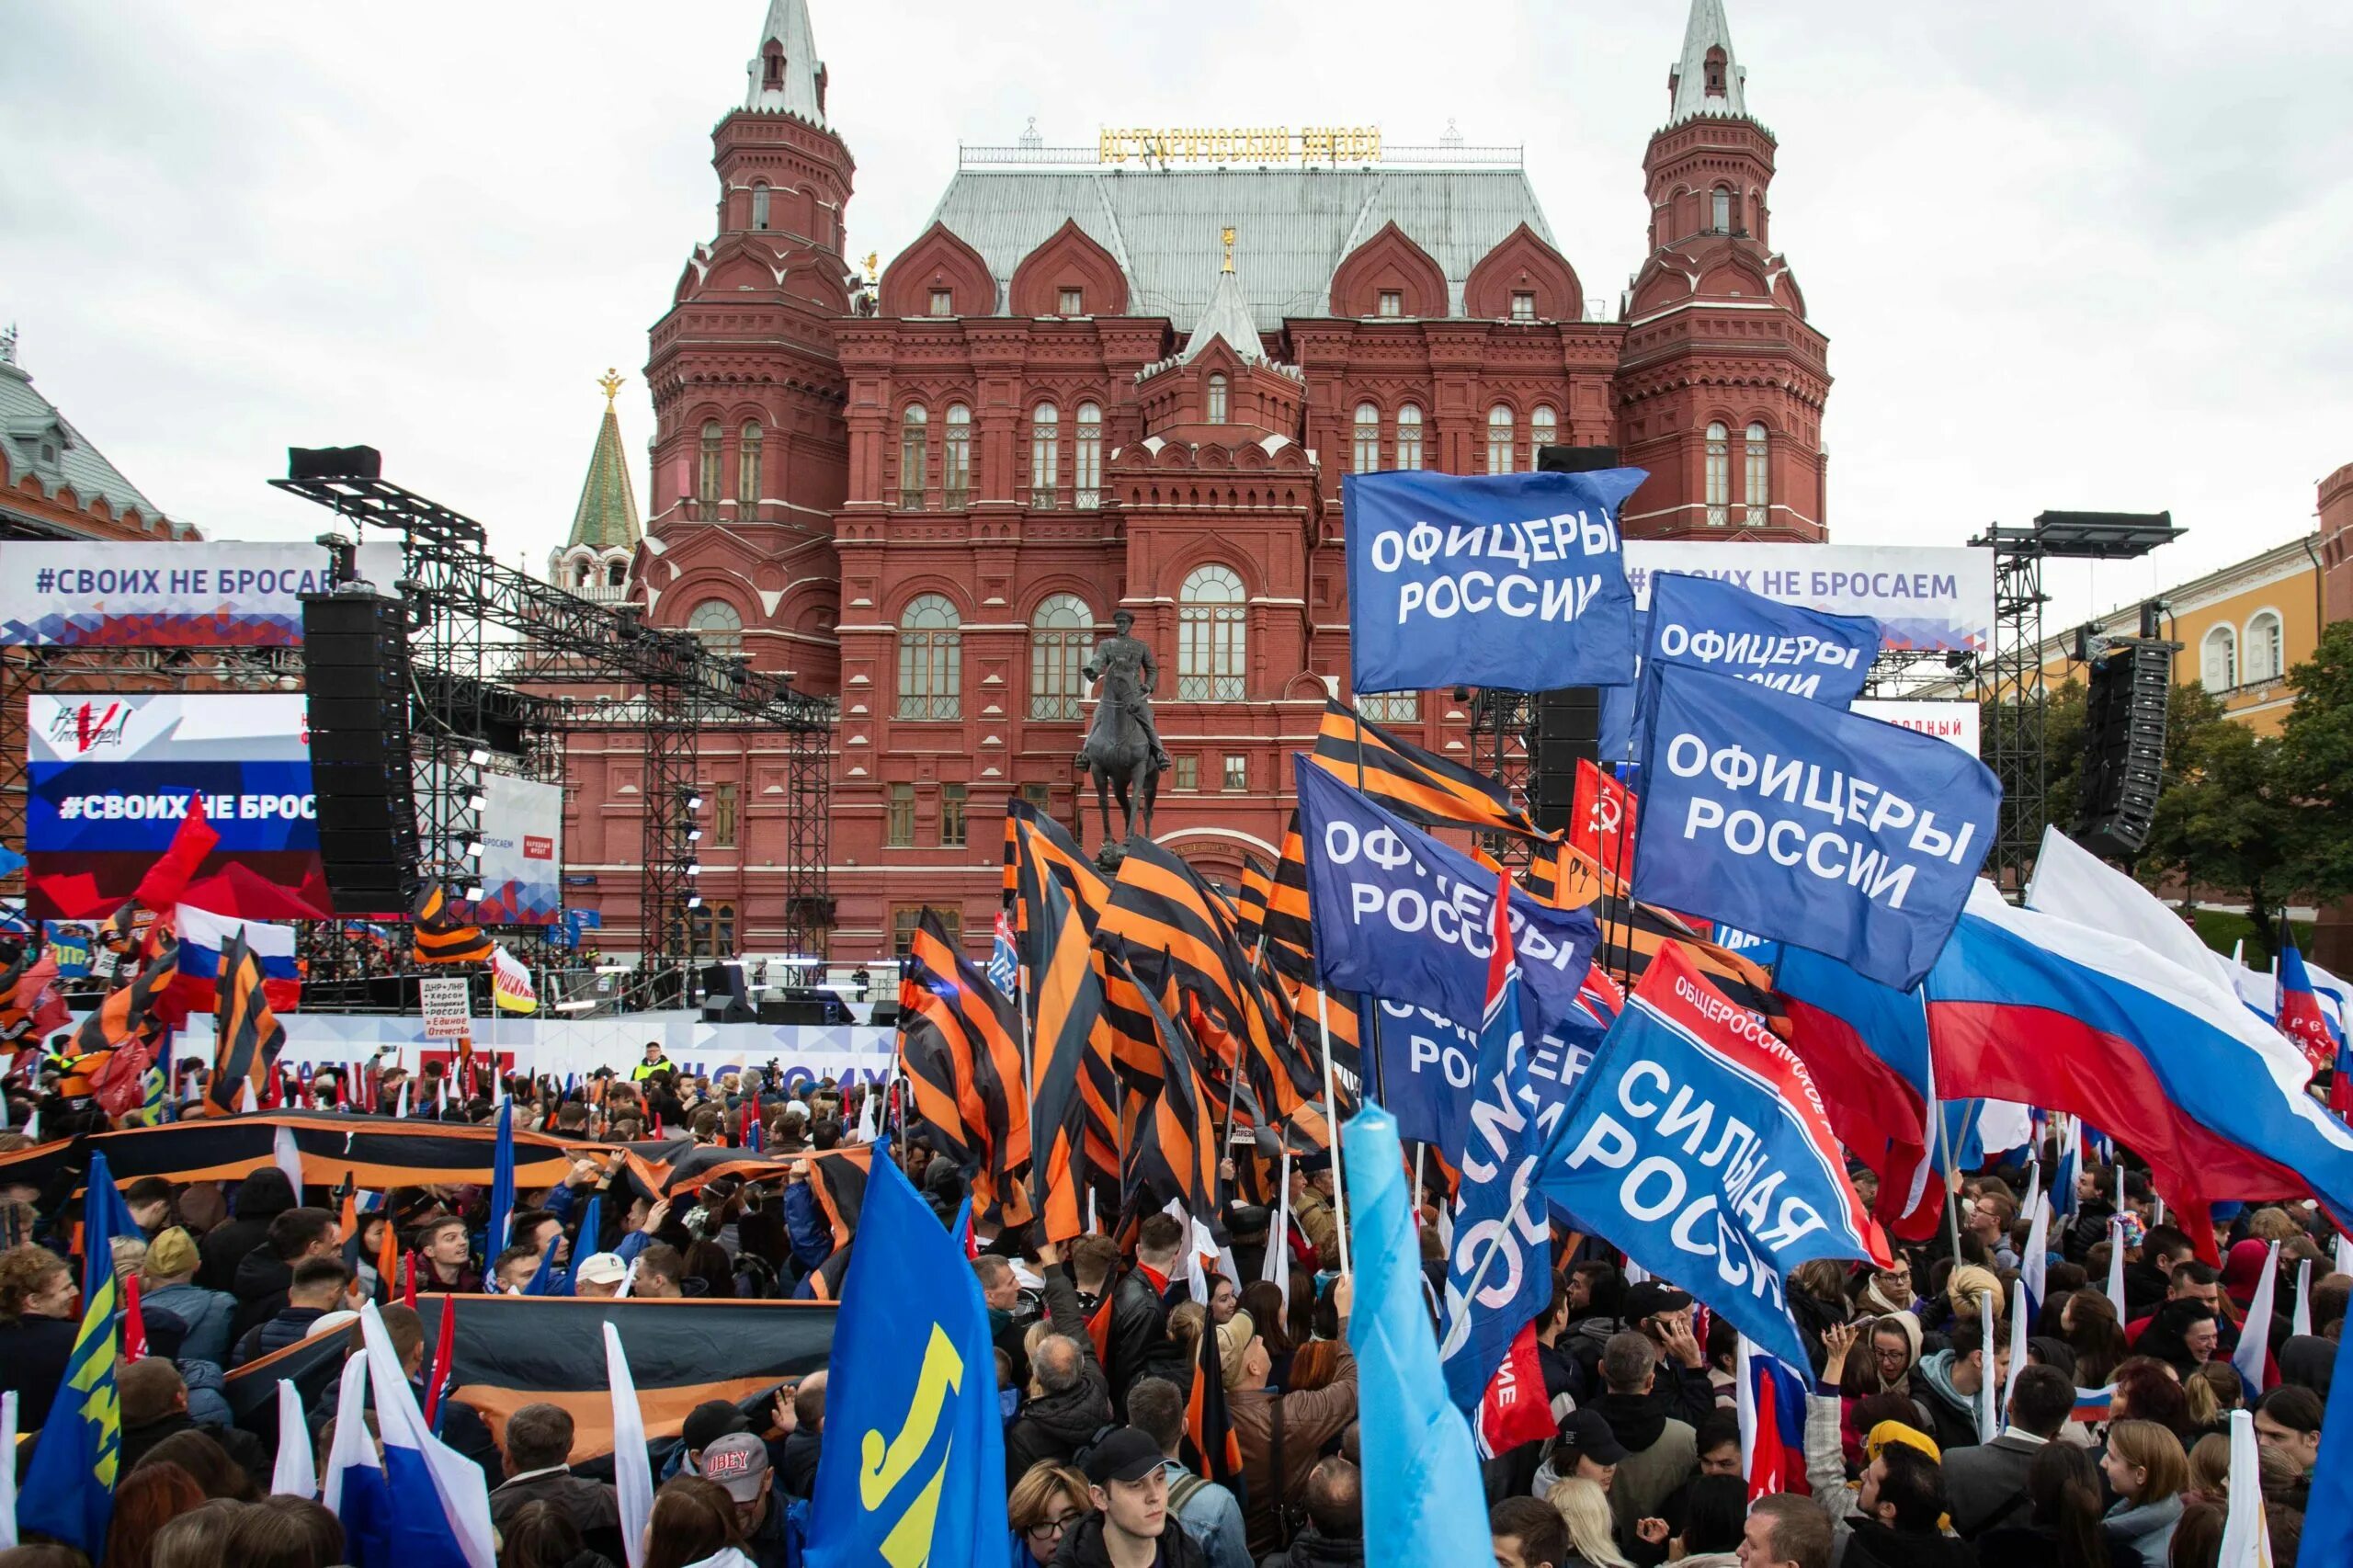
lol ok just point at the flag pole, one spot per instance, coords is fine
(1944, 1158)
(1332, 1124)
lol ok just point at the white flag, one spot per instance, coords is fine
(2255, 1338)
(632, 1468)
(2247, 1538)
(297, 1474)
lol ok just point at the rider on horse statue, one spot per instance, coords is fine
(1128, 659)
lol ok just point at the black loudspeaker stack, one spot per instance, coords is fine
(2124, 748)
(1568, 731)
(356, 668)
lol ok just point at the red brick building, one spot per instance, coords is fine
(1131, 376)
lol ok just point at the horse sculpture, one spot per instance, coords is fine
(1119, 753)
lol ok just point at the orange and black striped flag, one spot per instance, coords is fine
(438, 936)
(128, 1012)
(1291, 932)
(1211, 1448)
(1633, 934)
(1038, 851)
(248, 1035)
(1257, 882)
(1066, 1029)
(1420, 786)
(959, 1041)
(1176, 1149)
(1173, 930)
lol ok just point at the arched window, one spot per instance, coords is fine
(956, 459)
(1367, 456)
(748, 467)
(931, 664)
(1061, 633)
(772, 66)
(915, 456)
(1217, 398)
(1716, 73)
(1499, 440)
(707, 469)
(1543, 430)
(617, 574)
(1086, 475)
(2219, 660)
(1720, 211)
(760, 205)
(719, 627)
(2266, 647)
(713, 927)
(1211, 637)
(1045, 453)
(1757, 497)
(1718, 475)
(1409, 437)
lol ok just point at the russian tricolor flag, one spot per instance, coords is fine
(1769, 1395)
(203, 934)
(2029, 1007)
(2301, 1018)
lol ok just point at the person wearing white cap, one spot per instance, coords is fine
(599, 1276)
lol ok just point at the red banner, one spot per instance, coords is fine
(1601, 820)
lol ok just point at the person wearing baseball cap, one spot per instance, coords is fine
(1661, 1314)
(739, 1463)
(599, 1275)
(1132, 1523)
(1586, 1448)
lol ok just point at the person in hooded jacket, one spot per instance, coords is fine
(265, 1273)
(1333, 1534)
(1946, 1383)
(262, 1197)
(1068, 1400)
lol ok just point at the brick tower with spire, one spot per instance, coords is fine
(747, 387)
(1722, 380)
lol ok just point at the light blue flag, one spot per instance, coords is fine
(1429, 1507)
(2328, 1518)
(916, 1470)
(68, 1491)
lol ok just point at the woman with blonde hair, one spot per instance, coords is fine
(1045, 1505)
(167, 1283)
(2147, 1471)
(1583, 1506)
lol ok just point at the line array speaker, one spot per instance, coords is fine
(356, 670)
(1568, 730)
(2124, 748)
(1574, 460)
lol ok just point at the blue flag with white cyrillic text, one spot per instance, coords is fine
(1697, 1145)
(1397, 914)
(1795, 821)
(1499, 1272)
(1429, 1510)
(915, 1472)
(1509, 580)
(1702, 623)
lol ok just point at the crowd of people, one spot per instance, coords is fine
(1099, 1348)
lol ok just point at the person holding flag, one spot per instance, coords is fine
(68, 1490)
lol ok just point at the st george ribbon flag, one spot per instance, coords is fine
(1702, 623)
(1511, 580)
(1697, 1146)
(1399, 915)
(1856, 838)
(1429, 1510)
(916, 1472)
(1498, 1268)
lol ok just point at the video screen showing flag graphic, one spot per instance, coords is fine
(109, 779)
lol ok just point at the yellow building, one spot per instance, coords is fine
(2242, 629)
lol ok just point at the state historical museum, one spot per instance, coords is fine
(1130, 375)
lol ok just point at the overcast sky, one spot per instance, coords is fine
(2078, 256)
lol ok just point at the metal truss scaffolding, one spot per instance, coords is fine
(482, 628)
(1500, 717)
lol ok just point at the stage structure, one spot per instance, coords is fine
(2009, 679)
(483, 632)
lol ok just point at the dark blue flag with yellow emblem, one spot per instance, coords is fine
(914, 1472)
(68, 1491)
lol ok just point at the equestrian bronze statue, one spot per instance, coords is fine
(1122, 749)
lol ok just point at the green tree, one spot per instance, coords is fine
(2316, 768)
(2223, 819)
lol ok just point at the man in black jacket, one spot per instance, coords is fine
(1661, 1314)
(318, 1287)
(1132, 1521)
(1137, 1344)
(1068, 1401)
(1895, 1520)
(261, 1198)
(796, 1462)
(1333, 1534)
(537, 1448)
(264, 1273)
